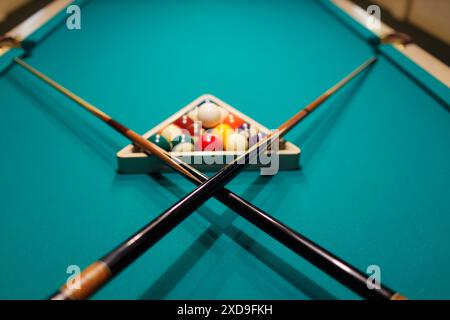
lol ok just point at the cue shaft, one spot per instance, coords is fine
(133, 136)
(299, 244)
(290, 123)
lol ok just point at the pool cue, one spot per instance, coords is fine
(265, 222)
(11, 42)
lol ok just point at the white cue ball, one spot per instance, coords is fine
(209, 115)
(183, 147)
(193, 114)
(223, 113)
(171, 131)
(237, 142)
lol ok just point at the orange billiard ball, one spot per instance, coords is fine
(233, 121)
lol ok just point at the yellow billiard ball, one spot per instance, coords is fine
(223, 131)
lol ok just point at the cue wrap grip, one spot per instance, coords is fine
(91, 279)
(398, 296)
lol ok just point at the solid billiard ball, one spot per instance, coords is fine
(160, 141)
(248, 130)
(171, 131)
(233, 121)
(223, 131)
(184, 122)
(237, 142)
(223, 113)
(193, 114)
(182, 138)
(183, 147)
(211, 142)
(209, 114)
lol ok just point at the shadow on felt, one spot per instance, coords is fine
(223, 224)
(63, 115)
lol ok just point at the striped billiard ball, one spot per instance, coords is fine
(183, 147)
(211, 142)
(248, 130)
(184, 122)
(255, 138)
(237, 142)
(160, 141)
(182, 138)
(193, 114)
(171, 131)
(196, 129)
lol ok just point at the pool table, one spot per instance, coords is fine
(374, 183)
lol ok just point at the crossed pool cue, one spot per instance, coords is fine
(101, 271)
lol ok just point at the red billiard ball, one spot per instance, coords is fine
(233, 121)
(196, 129)
(184, 122)
(211, 142)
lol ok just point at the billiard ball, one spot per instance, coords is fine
(222, 130)
(196, 129)
(233, 121)
(254, 139)
(209, 114)
(183, 138)
(223, 113)
(184, 121)
(183, 147)
(248, 130)
(211, 142)
(160, 141)
(193, 114)
(237, 142)
(171, 131)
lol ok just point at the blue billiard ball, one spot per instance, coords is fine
(255, 138)
(248, 130)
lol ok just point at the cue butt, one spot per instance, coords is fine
(90, 280)
(398, 296)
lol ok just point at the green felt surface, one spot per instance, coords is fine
(375, 175)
